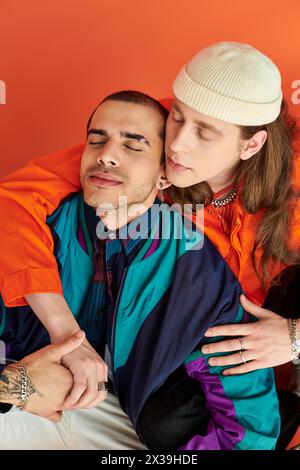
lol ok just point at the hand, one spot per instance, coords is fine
(88, 370)
(85, 364)
(266, 342)
(50, 382)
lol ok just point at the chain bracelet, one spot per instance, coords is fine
(24, 396)
(295, 343)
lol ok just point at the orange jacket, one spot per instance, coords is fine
(29, 195)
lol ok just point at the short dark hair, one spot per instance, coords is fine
(132, 96)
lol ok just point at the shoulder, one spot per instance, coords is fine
(66, 211)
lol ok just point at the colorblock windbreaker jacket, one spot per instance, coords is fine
(173, 291)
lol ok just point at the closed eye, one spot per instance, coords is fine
(97, 143)
(132, 148)
(176, 116)
(125, 145)
(200, 134)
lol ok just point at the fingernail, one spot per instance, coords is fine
(204, 349)
(212, 362)
(207, 333)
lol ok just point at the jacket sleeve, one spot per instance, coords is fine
(4, 407)
(244, 410)
(27, 197)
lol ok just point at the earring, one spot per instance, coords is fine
(161, 193)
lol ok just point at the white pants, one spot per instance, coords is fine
(103, 427)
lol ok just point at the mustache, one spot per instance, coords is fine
(107, 171)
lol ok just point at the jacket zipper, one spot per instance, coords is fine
(234, 232)
(113, 326)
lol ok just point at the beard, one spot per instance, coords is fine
(128, 206)
(136, 195)
(118, 198)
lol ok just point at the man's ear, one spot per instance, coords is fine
(163, 183)
(253, 145)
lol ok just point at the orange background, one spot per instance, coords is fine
(60, 57)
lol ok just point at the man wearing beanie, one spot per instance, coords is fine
(219, 82)
(227, 144)
(235, 84)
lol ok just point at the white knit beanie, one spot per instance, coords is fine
(233, 82)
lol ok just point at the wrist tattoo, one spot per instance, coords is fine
(11, 385)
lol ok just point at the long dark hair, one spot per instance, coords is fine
(266, 183)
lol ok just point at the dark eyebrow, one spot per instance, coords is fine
(98, 132)
(209, 127)
(128, 135)
(138, 137)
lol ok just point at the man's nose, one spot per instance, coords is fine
(180, 142)
(108, 155)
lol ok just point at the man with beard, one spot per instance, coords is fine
(144, 290)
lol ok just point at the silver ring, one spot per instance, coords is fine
(240, 340)
(102, 386)
(242, 357)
